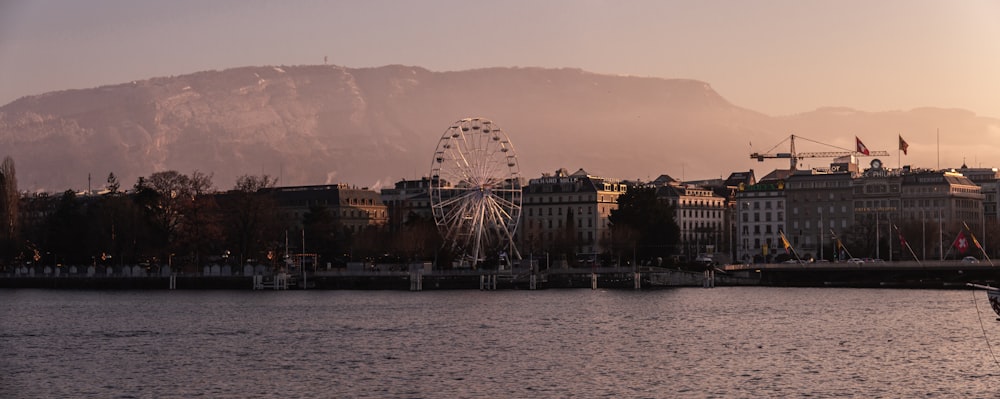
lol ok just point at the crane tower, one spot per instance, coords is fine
(794, 157)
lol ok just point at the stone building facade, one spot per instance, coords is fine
(568, 208)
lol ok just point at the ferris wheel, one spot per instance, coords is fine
(476, 191)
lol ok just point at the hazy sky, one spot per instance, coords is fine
(777, 57)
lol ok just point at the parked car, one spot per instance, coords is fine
(970, 259)
(855, 261)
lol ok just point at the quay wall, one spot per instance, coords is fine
(888, 275)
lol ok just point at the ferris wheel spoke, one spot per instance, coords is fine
(499, 215)
(457, 198)
(457, 215)
(503, 202)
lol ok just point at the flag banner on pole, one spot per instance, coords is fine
(961, 243)
(975, 241)
(785, 243)
(861, 146)
(903, 146)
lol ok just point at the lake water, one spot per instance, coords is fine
(726, 342)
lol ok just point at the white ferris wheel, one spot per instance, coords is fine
(476, 191)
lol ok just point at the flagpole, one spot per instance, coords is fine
(982, 223)
(821, 233)
(840, 244)
(923, 232)
(888, 220)
(940, 233)
(877, 255)
(907, 243)
(974, 240)
(939, 150)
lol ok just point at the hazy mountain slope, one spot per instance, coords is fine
(373, 126)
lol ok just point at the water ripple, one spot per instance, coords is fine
(722, 343)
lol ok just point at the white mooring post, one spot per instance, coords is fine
(593, 281)
(173, 281)
(709, 279)
(637, 278)
(416, 280)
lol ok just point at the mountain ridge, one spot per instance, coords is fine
(370, 127)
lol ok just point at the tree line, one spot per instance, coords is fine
(182, 220)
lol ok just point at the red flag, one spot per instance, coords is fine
(903, 146)
(902, 241)
(861, 146)
(961, 243)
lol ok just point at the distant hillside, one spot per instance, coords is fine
(373, 126)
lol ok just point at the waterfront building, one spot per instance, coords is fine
(760, 218)
(945, 200)
(987, 179)
(729, 189)
(355, 209)
(700, 214)
(406, 199)
(876, 203)
(819, 203)
(568, 210)
(875, 213)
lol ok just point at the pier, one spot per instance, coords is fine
(906, 274)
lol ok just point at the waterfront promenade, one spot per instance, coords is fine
(419, 277)
(416, 277)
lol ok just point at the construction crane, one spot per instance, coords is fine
(794, 157)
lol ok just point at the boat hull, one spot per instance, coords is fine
(994, 297)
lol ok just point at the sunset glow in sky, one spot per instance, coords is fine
(776, 57)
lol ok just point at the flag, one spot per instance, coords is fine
(902, 241)
(784, 242)
(903, 146)
(975, 241)
(861, 146)
(961, 243)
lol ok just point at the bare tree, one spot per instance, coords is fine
(9, 199)
(182, 211)
(253, 226)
